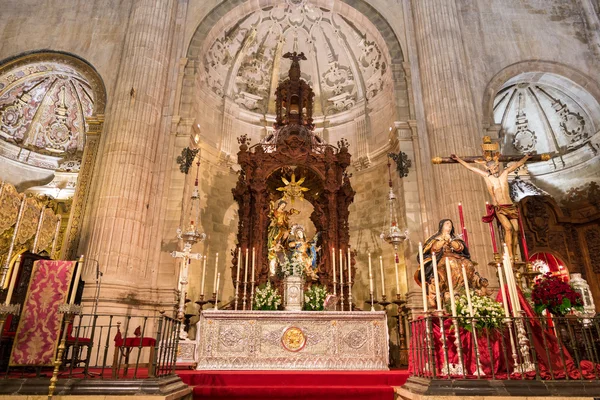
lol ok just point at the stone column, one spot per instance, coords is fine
(121, 220)
(452, 124)
(80, 200)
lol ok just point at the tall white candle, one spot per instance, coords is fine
(217, 290)
(246, 268)
(510, 283)
(239, 264)
(341, 267)
(253, 258)
(468, 292)
(436, 279)
(423, 282)
(349, 265)
(397, 279)
(203, 275)
(370, 276)
(382, 276)
(216, 272)
(450, 287)
(78, 268)
(503, 291)
(13, 281)
(333, 263)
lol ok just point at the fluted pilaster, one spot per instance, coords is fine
(452, 124)
(122, 216)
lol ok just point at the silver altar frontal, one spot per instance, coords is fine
(292, 340)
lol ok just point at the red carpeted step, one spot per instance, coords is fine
(294, 378)
(294, 392)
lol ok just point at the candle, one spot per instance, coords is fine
(78, 268)
(246, 269)
(253, 257)
(396, 268)
(450, 287)
(510, 281)
(382, 277)
(468, 292)
(239, 264)
(216, 272)
(423, 282)
(523, 240)
(341, 268)
(492, 232)
(13, 281)
(438, 300)
(203, 275)
(503, 291)
(370, 275)
(462, 224)
(349, 267)
(333, 263)
(217, 290)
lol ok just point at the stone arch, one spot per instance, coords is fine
(496, 83)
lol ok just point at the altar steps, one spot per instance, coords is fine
(310, 385)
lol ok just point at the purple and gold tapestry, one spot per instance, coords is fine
(38, 333)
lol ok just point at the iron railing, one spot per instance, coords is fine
(523, 348)
(147, 348)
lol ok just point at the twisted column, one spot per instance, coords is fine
(121, 218)
(452, 123)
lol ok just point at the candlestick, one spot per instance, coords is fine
(492, 231)
(370, 275)
(436, 279)
(396, 268)
(78, 268)
(217, 291)
(507, 319)
(203, 276)
(457, 342)
(523, 240)
(216, 272)
(467, 292)
(13, 280)
(382, 277)
(423, 282)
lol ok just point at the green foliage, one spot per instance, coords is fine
(314, 298)
(266, 298)
(487, 312)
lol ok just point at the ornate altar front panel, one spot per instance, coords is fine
(267, 340)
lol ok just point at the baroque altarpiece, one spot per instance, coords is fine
(293, 151)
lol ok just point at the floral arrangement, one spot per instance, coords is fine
(314, 298)
(266, 298)
(292, 267)
(554, 294)
(487, 312)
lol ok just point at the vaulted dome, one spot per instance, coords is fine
(345, 64)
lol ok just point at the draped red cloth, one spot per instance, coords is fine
(496, 360)
(39, 327)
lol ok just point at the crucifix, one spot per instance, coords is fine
(186, 255)
(503, 209)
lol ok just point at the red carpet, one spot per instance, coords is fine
(312, 385)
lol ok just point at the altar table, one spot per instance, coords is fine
(292, 340)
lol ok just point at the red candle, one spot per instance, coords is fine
(461, 217)
(523, 240)
(492, 232)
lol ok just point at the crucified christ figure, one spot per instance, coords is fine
(497, 184)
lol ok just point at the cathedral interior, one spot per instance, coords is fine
(122, 121)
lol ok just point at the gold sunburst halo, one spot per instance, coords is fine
(293, 189)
